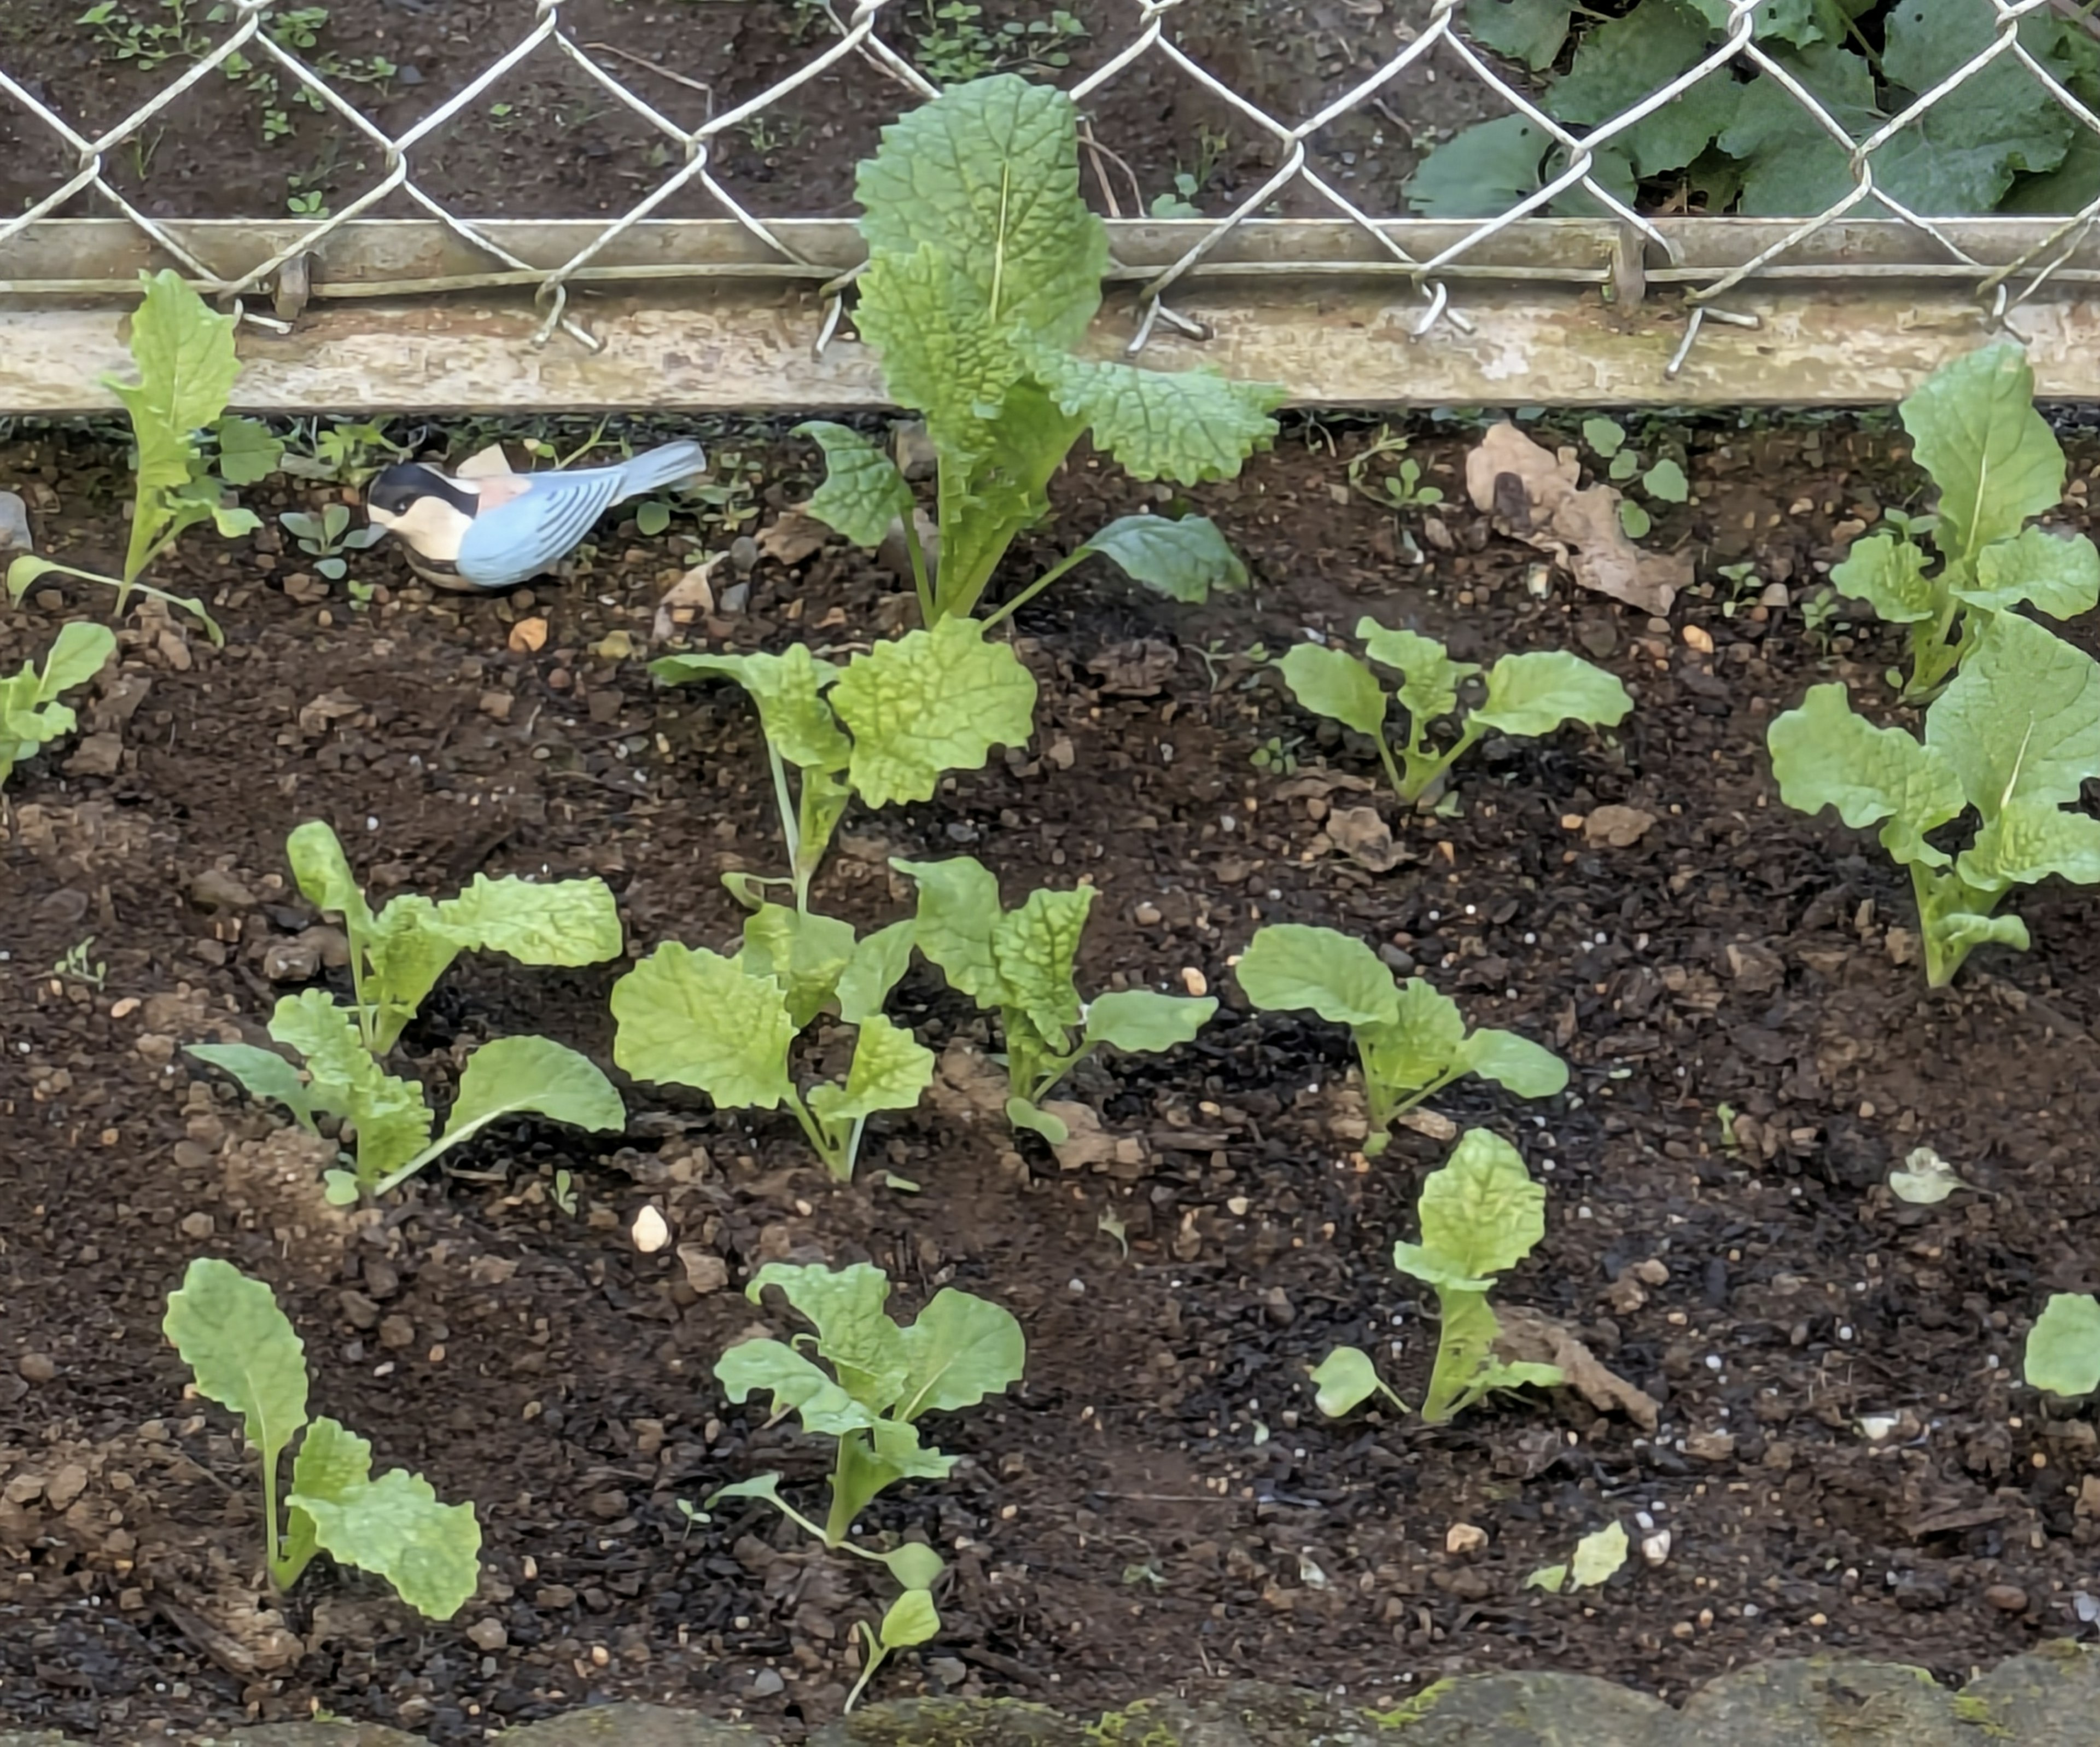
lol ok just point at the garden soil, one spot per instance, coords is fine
(1843, 1459)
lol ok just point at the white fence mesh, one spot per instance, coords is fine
(875, 38)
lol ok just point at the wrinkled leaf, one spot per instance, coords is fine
(1430, 677)
(797, 1386)
(1824, 755)
(929, 702)
(2060, 577)
(1032, 950)
(806, 954)
(1145, 1023)
(1185, 560)
(241, 1349)
(688, 1017)
(1923, 1179)
(565, 922)
(1187, 425)
(1480, 1209)
(788, 690)
(2022, 718)
(2063, 1346)
(1532, 694)
(863, 492)
(393, 1527)
(184, 354)
(1424, 1037)
(865, 1347)
(1888, 574)
(393, 1121)
(890, 1068)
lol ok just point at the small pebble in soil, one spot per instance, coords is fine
(767, 1683)
(2008, 1598)
(488, 1635)
(1464, 1537)
(35, 1368)
(650, 1232)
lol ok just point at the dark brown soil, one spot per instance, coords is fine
(550, 141)
(1159, 1503)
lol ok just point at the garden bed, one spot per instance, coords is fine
(1159, 1504)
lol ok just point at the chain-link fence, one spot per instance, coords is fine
(1851, 135)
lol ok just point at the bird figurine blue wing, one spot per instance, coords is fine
(493, 529)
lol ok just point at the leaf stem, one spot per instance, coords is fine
(188, 603)
(929, 610)
(791, 830)
(1038, 586)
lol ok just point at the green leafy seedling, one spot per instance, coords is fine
(327, 537)
(1996, 465)
(246, 1356)
(2013, 737)
(30, 714)
(1019, 963)
(1403, 490)
(184, 355)
(882, 1379)
(725, 1025)
(1526, 696)
(398, 953)
(2063, 1346)
(1598, 1557)
(984, 273)
(1411, 1041)
(886, 726)
(390, 1116)
(1481, 1214)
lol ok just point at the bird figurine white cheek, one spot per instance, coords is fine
(493, 529)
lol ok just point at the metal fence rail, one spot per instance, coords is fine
(1717, 272)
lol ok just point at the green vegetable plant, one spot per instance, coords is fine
(30, 714)
(1411, 1041)
(1996, 464)
(984, 272)
(1400, 489)
(398, 953)
(885, 726)
(325, 538)
(1526, 696)
(1481, 1214)
(2063, 1346)
(2012, 737)
(725, 1025)
(389, 1118)
(1019, 963)
(246, 1356)
(1664, 481)
(185, 359)
(882, 1379)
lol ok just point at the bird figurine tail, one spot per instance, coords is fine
(660, 467)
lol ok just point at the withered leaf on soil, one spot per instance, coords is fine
(793, 537)
(1526, 1338)
(1137, 668)
(1365, 838)
(1533, 493)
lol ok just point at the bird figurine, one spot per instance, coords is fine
(488, 527)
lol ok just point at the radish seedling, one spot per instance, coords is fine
(1481, 1214)
(1410, 1039)
(984, 273)
(886, 726)
(246, 1356)
(30, 713)
(1996, 464)
(882, 1379)
(1526, 696)
(389, 1117)
(724, 1024)
(2014, 736)
(398, 954)
(1019, 963)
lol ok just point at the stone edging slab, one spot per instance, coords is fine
(2050, 1698)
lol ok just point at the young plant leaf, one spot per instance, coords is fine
(914, 1565)
(806, 954)
(1187, 425)
(912, 1619)
(184, 354)
(928, 703)
(961, 1349)
(1666, 483)
(263, 1074)
(1289, 966)
(1430, 677)
(1994, 458)
(393, 1527)
(878, 964)
(863, 492)
(79, 652)
(1142, 1022)
(854, 1332)
(797, 1386)
(2063, 1346)
(959, 910)
(1824, 755)
(1033, 950)
(1888, 574)
(1532, 694)
(2059, 576)
(890, 1069)
(391, 1118)
(322, 872)
(1605, 436)
(1185, 559)
(788, 690)
(1480, 1209)
(516, 1076)
(242, 1350)
(1424, 1039)
(1514, 1062)
(248, 452)
(1334, 683)
(565, 922)
(1599, 1556)
(2022, 719)
(687, 1017)
(1344, 1380)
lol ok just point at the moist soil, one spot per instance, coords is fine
(1158, 1505)
(550, 141)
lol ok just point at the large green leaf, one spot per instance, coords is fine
(242, 1350)
(1959, 158)
(1514, 1062)
(262, 1073)
(408, 949)
(1430, 679)
(80, 651)
(2022, 718)
(1532, 694)
(854, 1332)
(1480, 1210)
(961, 1349)
(958, 911)
(393, 1527)
(2061, 577)
(2063, 1346)
(184, 353)
(1791, 166)
(519, 1076)
(1824, 755)
(878, 964)
(890, 1068)
(1625, 61)
(1993, 457)
(922, 315)
(1481, 171)
(797, 1385)
(1034, 949)
(928, 703)
(806, 954)
(1184, 560)
(788, 690)
(1334, 683)
(1186, 426)
(1531, 31)
(1421, 1040)
(248, 453)
(2028, 841)
(1888, 574)
(988, 174)
(1144, 1022)
(863, 492)
(566, 922)
(1289, 966)
(688, 1017)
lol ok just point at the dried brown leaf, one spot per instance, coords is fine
(1526, 1338)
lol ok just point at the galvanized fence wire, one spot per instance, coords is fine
(2000, 285)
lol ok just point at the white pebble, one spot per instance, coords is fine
(649, 1233)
